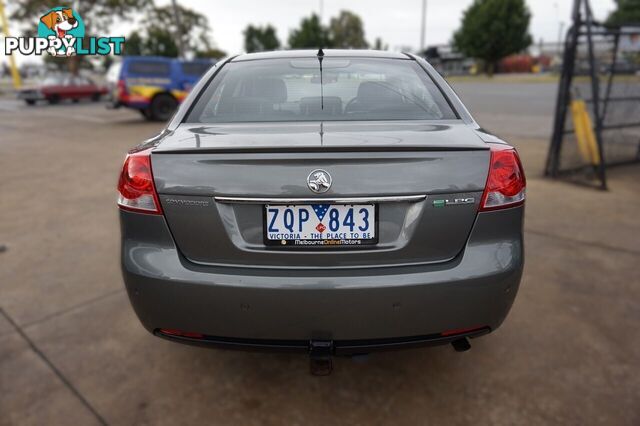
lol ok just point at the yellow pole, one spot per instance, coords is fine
(12, 60)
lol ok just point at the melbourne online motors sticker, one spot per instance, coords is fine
(61, 32)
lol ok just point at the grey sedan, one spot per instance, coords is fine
(328, 202)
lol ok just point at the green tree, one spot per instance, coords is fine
(213, 52)
(97, 15)
(194, 30)
(311, 35)
(259, 39)
(157, 36)
(627, 12)
(160, 42)
(347, 31)
(493, 29)
(134, 44)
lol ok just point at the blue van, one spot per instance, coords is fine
(154, 85)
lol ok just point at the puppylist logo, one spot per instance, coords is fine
(61, 32)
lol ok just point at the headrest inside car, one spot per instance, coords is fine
(373, 91)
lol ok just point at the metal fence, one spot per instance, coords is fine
(597, 120)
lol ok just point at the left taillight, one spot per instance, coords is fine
(136, 191)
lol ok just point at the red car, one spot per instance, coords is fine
(64, 86)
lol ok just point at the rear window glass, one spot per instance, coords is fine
(297, 90)
(149, 68)
(195, 68)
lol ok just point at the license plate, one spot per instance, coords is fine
(320, 225)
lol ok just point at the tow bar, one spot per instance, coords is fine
(320, 352)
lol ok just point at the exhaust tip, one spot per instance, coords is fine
(461, 345)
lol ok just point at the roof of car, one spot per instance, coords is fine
(328, 53)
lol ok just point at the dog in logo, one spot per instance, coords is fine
(60, 21)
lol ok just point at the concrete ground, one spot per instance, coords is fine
(523, 110)
(73, 352)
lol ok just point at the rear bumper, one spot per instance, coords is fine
(338, 347)
(354, 308)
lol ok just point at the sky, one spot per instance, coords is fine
(397, 22)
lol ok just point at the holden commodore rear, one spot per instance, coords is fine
(334, 202)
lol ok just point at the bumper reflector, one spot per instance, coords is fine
(180, 333)
(461, 331)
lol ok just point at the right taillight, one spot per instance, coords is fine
(136, 191)
(506, 182)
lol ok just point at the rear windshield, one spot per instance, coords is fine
(149, 68)
(195, 68)
(297, 90)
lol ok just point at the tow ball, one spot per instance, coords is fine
(320, 353)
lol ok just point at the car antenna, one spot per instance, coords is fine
(320, 56)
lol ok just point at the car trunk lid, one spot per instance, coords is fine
(426, 180)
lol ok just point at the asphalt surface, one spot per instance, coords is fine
(73, 352)
(511, 109)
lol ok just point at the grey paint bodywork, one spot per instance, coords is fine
(476, 288)
(203, 266)
(439, 161)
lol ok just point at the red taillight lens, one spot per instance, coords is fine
(122, 88)
(135, 187)
(506, 182)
